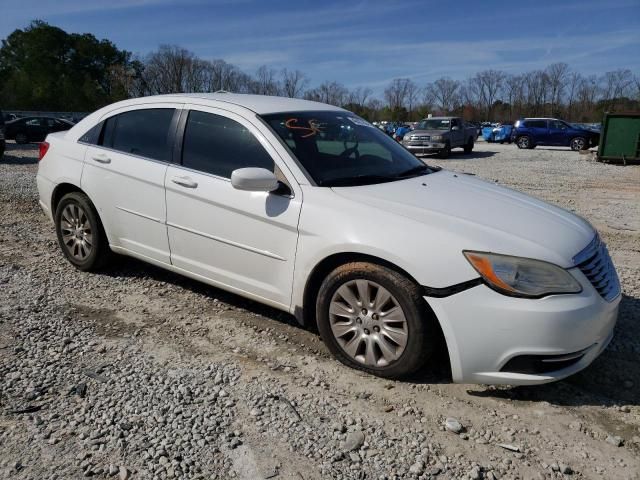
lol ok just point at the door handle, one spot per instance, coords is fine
(101, 159)
(184, 182)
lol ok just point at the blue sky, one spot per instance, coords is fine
(359, 42)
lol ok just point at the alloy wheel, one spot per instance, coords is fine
(577, 144)
(368, 323)
(523, 142)
(76, 231)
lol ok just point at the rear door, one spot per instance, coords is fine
(124, 177)
(245, 241)
(539, 131)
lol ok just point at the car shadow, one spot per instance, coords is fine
(613, 379)
(437, 370)
(11, 157)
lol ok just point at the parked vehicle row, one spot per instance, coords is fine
(34, 129)
(310, 209)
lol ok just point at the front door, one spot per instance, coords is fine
(244, 241)
(124, 176)
(558, 133)
(457, 134)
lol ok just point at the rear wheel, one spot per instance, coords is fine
(578, 143)
(524, 142)
(80, 233)
(374, 319)
(21, 138)
(468, 148)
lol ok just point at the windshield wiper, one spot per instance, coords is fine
(414, 172)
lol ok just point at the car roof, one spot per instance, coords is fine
(260, 104)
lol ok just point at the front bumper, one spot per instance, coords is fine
(430, 147)
(484, 330)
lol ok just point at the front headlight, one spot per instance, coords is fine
(522, 277)
(436, 138)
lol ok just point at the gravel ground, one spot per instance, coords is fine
(139, 373)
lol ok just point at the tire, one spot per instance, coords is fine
(360, 345)
(468, 148)
(80, 233)
(21, 138)
(578, 143)
(524, 142)
(445, 152)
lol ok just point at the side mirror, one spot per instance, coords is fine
(254, 180)
(455, 128)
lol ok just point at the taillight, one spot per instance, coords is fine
(43, 148)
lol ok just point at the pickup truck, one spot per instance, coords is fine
(439, 135)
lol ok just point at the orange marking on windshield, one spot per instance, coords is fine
(312, 128)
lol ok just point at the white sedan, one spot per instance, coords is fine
(310, 209)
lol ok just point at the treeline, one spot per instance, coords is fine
(44, 68)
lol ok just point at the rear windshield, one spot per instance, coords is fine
(340, 149)
(434, 124)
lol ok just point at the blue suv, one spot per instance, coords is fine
(530, 132)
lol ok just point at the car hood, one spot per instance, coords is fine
(469, 213)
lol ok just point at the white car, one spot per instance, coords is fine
(310, 209)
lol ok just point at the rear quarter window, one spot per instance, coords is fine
(536, 124)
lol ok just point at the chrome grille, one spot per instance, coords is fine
(415, 138)
(594, 261)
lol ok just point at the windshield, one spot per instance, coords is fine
(434, 124)
(341, 149)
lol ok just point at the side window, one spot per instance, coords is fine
(92, 137)
(537, 123)
(558, 125)
(140, 132)
(34, 122)
(218, 145)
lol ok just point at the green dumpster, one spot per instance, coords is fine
(620, 138)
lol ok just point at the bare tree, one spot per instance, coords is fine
(293, 83)
(396, 93)
(556, 74)
(413, 92)
(359, 96)
(333, 93)
(167, 70)
(573, 84)
(616, 85)
(514, 94)
(445, 94)
(486, 86)
(265, 82)
(587, 95)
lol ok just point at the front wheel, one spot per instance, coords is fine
(374, 319)
(445, 152)
(468, 148)
(578, 143)
(80, 233)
